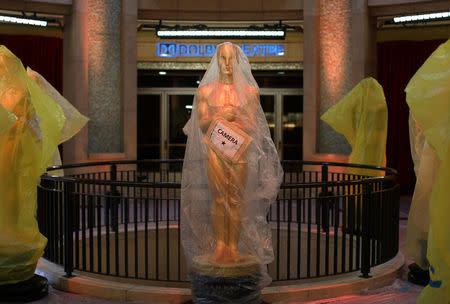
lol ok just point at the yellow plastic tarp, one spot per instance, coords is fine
(6, 120)
(26, 148)
(425, 166)
(361, 116)
(428, 97)
(75, 121)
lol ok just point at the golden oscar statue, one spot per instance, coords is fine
(231, 175)
(227, 180)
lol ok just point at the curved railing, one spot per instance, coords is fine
(122, 219)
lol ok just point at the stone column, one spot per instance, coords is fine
(75, 76)
(364, 45)
(104, 76)
(100, 73)
(129, 78)
(339, 51)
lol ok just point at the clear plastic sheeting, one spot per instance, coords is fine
(428, 97)
(426, 166)
(361, 116)
(27, 147)
(75, 121)
(231, 175)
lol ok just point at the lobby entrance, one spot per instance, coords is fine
(163, 111)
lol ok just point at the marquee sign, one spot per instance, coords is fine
(174, 49)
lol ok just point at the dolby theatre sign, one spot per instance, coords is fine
(174, 49)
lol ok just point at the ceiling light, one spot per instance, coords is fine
(220, 33)
(423, 17)
(189, 107)
(27, 21)
(162, 73)
(264, 31)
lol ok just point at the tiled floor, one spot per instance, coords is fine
(400, 291)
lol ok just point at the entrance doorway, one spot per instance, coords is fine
(163, 112)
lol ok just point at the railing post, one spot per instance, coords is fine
(324, 176)
(324, 202)
(113, 172)
(69, 188)
(113, 202)
(366, 204)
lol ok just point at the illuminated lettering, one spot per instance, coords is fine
(210, 49)
(174, 49)
(182, 50)
(272, 50)
(193, 50)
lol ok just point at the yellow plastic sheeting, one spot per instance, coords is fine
(74, 119)
(428, 97)
(25, 150)
(425, 166)
(361, 116)
(56, 162)
(6, 119)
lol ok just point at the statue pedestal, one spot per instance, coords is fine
(237, 282)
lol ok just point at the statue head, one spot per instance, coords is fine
(226, 60)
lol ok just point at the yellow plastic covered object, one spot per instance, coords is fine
(361, 116)
(75, 121)
(426, 166)
(428, 97)
(6, 120)
(26, 148)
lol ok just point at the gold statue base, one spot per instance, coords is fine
(244, 266)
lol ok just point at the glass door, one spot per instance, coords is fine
(161, 116)
(149, 126)
(283, 109)
(163, 112)
(292, 127)
(268, 106)
(179, 112)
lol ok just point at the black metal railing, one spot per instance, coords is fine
(122, 219)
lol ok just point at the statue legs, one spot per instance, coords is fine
(227, 183)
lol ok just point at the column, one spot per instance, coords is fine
(100, 53)
(339, 51)
(75, 76)
(129, 78)
(104, 76)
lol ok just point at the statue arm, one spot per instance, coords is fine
(204, 116)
